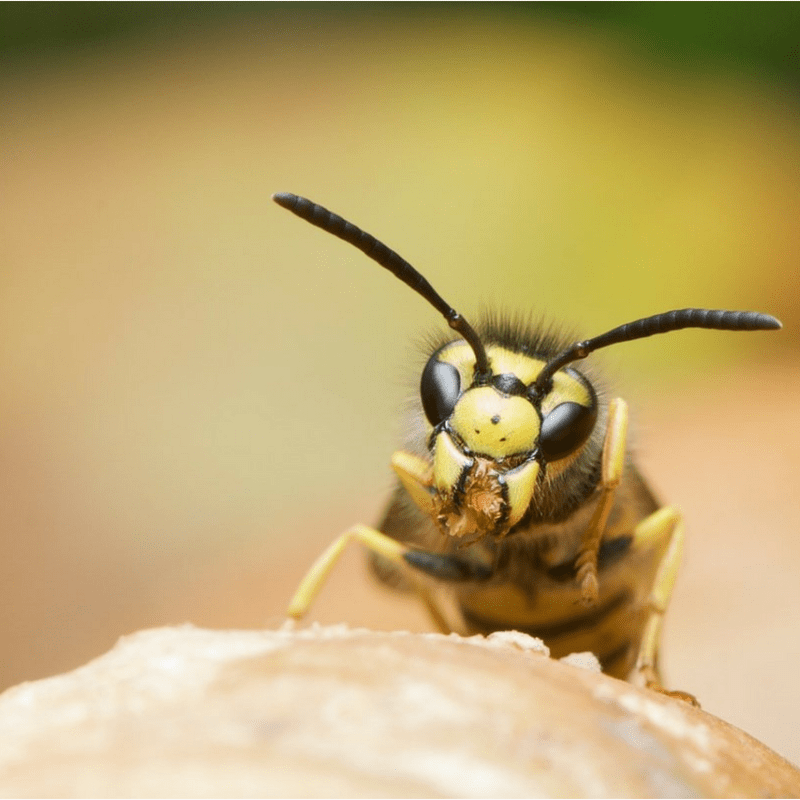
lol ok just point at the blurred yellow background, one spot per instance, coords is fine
(199, 391)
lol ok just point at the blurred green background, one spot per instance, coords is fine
(199, 390)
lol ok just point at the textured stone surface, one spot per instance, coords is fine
(340, 712)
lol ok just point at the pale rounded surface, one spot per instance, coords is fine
(338, 712)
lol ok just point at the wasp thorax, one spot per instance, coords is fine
(491, 424)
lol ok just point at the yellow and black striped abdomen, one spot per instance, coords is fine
(611, 629)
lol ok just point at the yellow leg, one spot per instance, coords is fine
(661, 530)
(613, 466)
(315, 578)
(378, 543)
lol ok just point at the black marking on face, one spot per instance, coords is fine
(509, 384)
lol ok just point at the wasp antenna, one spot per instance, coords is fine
(659, 323)
(399, 267)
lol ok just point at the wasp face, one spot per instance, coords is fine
(493, 440)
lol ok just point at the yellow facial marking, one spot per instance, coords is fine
(565, 389)
(521, 483)
(448, 463)
(493, 425)
(460, 355)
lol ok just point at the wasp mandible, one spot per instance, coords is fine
(518, 505)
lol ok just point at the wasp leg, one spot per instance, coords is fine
(662, 530)
(612, 468)
(384, 547)
(315, 578)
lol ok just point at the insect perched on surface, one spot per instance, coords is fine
(518, 505)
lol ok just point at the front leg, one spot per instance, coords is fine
(313, 581)
(613, 464)
(443, 567)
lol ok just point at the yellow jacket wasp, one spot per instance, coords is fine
(518, 506)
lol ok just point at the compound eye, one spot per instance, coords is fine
(440, 388)
(565, 429)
